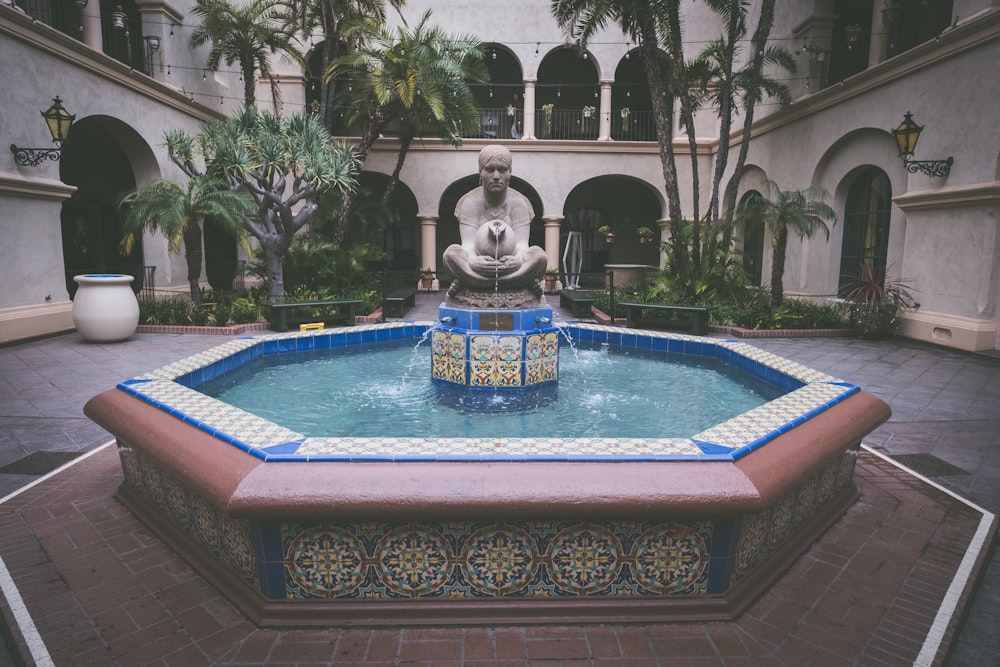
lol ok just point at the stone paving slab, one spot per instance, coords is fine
(102, 590)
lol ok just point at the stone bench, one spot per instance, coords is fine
(288, 313)
(694, 318)
(397, 302)
(577, 302)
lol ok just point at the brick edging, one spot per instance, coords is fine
(235, 329)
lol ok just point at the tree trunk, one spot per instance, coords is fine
(763, 32)
(780, 243)
(193, 255)
(678, 76)
(404, 146)
(249, 85)
(663, 117)
(274, 271)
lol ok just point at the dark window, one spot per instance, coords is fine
(753, 248)
(866, 227)
(62, 15)
(908, 23)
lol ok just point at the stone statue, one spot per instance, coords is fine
(494, 267)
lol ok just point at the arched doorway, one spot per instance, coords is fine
(97, 164)
(567, 80)
(753, 245)
(499, 101)
(866, 227)
(393, 228)
(622, 203)
(631, 104)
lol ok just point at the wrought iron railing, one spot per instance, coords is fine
(63, 16)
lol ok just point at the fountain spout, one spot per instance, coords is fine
(448, 319)
(543, 320)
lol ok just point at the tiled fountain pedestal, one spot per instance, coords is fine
(495, 348)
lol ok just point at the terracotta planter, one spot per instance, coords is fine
(105, 309)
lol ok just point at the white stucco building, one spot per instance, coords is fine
(862, 65)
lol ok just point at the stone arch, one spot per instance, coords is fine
(752, 238)
(104, 158)
(568, 79)
(398, 234)
(836, 170)
(623, 203)
(503, 91)
(866, 223)
(631, 103)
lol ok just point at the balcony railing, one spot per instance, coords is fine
(63, 16)
(562, 124)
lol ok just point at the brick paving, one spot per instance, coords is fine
(102, 590)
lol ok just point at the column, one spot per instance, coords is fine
(553, 223)
(529, 109)
(663, 234)
(428, 246)
(90, 21)
(604, 130)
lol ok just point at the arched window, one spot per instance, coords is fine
(753, 246)
(866, 227)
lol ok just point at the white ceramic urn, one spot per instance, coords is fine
(105, 309)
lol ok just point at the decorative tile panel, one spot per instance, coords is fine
(464, 559)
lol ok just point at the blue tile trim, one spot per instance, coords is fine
(765, 367)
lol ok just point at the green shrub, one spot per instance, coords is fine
(802, 314)
(181, 311)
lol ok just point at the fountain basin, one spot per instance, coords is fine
(354, 533)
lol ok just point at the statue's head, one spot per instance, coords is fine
(494, 167)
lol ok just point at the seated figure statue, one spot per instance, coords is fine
(494, 267)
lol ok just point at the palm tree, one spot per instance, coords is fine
(650, 23)
(414, 80)
(164, 206)
(286, 165)
(726, 88)
(657, 24)
(336, 21)
(247, 34)
(802, 212)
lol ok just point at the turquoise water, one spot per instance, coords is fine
(387, 392)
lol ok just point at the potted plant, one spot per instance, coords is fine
(548, 110)
(609, 236)
(587, 119)
(645, 234)
(427, 277)
(551, 276)
(876, 304)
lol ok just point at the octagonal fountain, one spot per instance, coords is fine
(301, 529)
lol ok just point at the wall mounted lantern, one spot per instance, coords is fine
(906, 138)
(59, 121)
